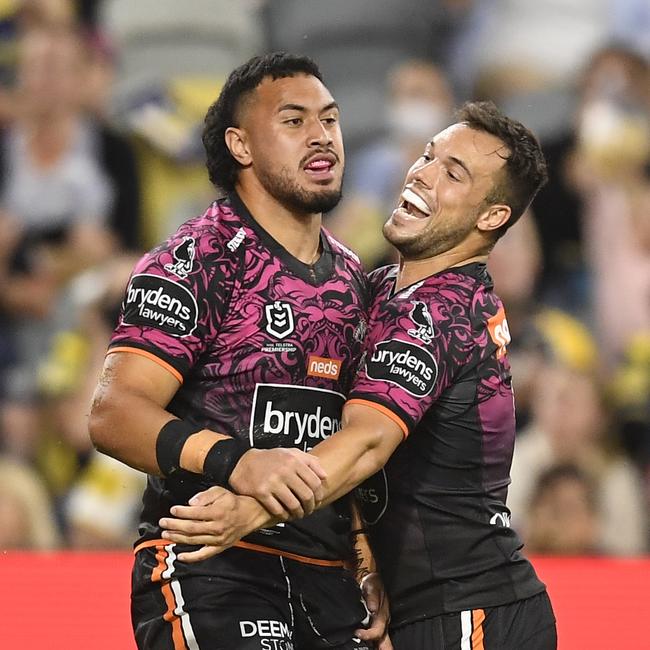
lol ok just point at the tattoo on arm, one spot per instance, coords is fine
(362, 561)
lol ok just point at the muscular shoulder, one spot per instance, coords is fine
(218, 232)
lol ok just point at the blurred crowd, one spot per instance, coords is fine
(101, 108)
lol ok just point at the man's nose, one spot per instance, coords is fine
(319, 135)
(427, 174)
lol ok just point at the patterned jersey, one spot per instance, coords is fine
(264, 345)
(436, 362)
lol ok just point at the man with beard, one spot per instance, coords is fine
(244, 329)
(434, 396)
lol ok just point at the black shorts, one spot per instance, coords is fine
(242, 600)
(524, 625)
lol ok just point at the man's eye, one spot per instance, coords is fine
(426, 156)
(330, 120)
(294, 121)
(453, 175)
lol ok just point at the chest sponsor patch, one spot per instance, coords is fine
(293, 416)
(323, 367)
(153, 301)
(404, 364)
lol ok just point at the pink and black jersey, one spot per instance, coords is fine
(436, 363)
(264, 347)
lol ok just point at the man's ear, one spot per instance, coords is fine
(494, 217)
(237, 143)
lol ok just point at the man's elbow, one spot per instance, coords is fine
(100, 424)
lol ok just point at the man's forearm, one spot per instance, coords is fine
(351, 456)
(348, 457)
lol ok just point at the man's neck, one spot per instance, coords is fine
(298, 233)
(412, 271)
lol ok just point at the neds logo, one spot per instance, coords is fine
(404, 364)
(154, 301)
(323, 367)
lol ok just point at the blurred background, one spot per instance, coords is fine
(101, 109)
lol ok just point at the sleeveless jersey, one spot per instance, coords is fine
(264, 345)
(436, 359)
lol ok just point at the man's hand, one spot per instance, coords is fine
(287, 482)
(216, 518)
(377, 604)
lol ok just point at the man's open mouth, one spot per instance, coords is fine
(414, 204)
(320, 165)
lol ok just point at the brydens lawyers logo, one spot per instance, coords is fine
(154, 301)
(323, 367)
(293, 416)
(406, 365)
(279, 319)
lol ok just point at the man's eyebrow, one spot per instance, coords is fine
(299, 107)
(291, 107)
(460, 163)
(330, 106)
(455, 160)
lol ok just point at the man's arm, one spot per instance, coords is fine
(128, 413)
(216, 519)
(366, 441)
(372, 588)
(129, 410)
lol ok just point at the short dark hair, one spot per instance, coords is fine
(525, 169)
(224, 112)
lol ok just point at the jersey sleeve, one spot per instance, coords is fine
(176, 299)
(413, 352)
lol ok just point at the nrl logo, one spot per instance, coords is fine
(184, 258)
(279, 319)
(424, 323)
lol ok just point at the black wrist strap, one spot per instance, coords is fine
(170, 442)
(220, 461)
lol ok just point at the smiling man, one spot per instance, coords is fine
(433, 401)
(242, 330)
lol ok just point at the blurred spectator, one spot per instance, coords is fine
(571, 425)
(630, 391)
(418, 104)
(611, 169)
(56, 196)
(563, 518)
(98, 497)
(17, 16)
(26, 520)
(613, 72)
(538, 332)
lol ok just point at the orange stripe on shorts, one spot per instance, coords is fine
(478, 616)
(170, 616)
